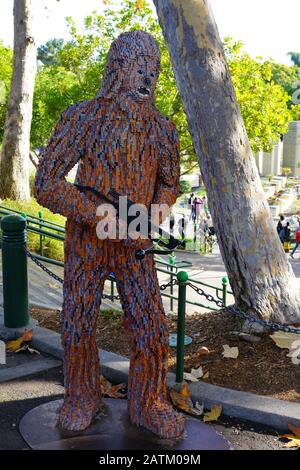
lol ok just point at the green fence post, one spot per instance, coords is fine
(182, 278)
(14, 270)
(40, 215)
(224, 289)
(172, 262)
(195, 238)
(112, 290)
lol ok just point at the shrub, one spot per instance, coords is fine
(185, 187)
(52, 248)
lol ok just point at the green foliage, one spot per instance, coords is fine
(263, 103)
(72, 71)
(6, 54)
(295, 57)
(286, 171)
(289, 79)
(185, 187)
(52, 248)
(48, 53)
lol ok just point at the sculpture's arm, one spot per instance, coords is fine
(167, 181)
(65, 148)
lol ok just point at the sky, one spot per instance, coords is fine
(268, 28)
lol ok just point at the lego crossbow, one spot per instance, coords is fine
(167, 247)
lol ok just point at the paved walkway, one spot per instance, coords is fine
(20, 396)
(45, 291)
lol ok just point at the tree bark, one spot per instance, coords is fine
(260, 275)
(14, 162)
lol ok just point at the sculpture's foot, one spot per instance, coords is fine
(77, 414)
(161, 419)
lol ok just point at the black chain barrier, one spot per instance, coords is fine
(245, 316)
(44, 268)
(59, 279)
(231, 309)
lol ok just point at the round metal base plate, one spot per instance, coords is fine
(112, 430)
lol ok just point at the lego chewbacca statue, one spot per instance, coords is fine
(120, 141)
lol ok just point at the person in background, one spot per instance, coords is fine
(210, 225)
(285, 237)
(194, 209)
(281, 224)
(297, 241)
(182, 226)
(205, 206)
(198, 207)
(190, 205)
(172, 222)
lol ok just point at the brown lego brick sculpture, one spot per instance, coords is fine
(120, 141)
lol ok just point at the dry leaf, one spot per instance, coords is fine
(184, 390)
(203, 351)
(214, 414)
(112, 391)
(15, 344)
(206, 375)
(230, 353)
(199, 407)
(293, 442)
(295, 352)
(295, 430)
(194, 375)
(27, 335)
(53, 286)
(182, 400)
(294, 439)
(284, 340)
(25, 347)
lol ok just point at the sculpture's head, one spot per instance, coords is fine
(132, 67)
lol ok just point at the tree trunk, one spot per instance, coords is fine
(14, 163)
(260, 275)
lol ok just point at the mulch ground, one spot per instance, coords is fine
(260, 368)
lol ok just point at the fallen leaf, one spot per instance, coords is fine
(206, 376)
(184, 390)
(295, 430)
(293, 443)
(112, 391)
(15, 344)
(27, 335)
(294, 439)
(230, 353)
(53, 286)
(295, 352)
(214, 414)
(182, 400)
(194, 375)
(199, 407)
(25, 347)
(284, 340)
(203, 351)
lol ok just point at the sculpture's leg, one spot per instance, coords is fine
(83, 286)
(145, 317)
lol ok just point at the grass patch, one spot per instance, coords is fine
(52, 248)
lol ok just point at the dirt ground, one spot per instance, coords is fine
(260, 368)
